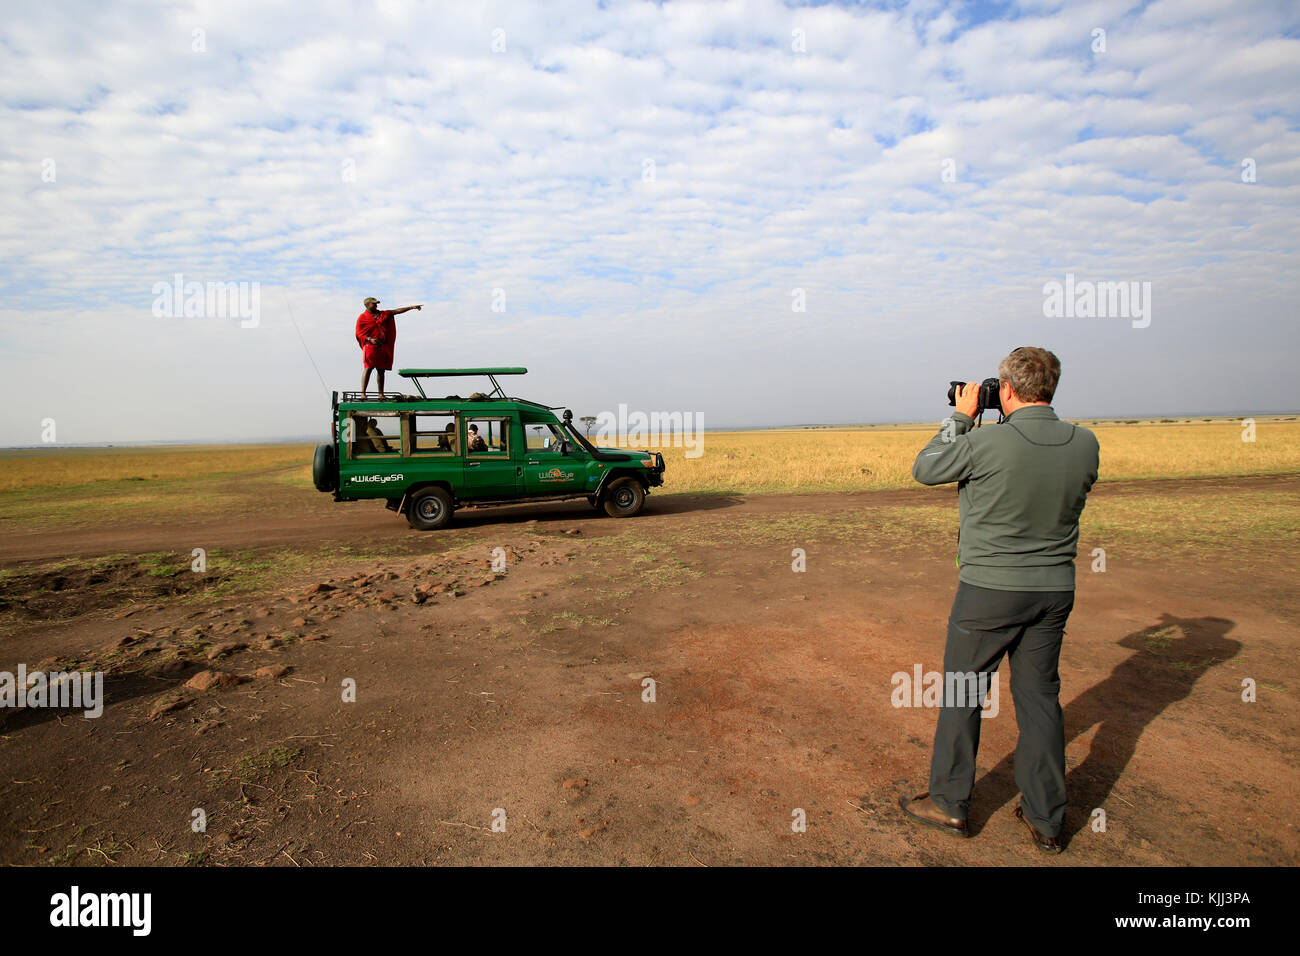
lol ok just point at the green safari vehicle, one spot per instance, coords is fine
(426, 457)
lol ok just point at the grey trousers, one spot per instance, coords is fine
(985, 625)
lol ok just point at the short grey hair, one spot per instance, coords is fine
(1032, 373)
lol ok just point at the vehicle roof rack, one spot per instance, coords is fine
(374, 397)
(415, 374)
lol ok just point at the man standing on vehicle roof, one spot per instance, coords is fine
(376, 333)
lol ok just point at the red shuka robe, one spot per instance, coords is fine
(378, 326)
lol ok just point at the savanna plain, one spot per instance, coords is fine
(709, 683)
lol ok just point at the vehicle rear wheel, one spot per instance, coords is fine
(429, 509)
(624, 498)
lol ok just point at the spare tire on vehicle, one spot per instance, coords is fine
(325, 468)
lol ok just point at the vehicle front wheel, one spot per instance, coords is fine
(624, 498)
(429, 509)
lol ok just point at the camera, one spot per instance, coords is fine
(989, 396)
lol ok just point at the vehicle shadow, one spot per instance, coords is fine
(1162, 672)
(561, 511)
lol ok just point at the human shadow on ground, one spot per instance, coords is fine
(1163, 671)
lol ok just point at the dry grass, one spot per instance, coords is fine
(796, 460)
(851, 459)
(56, 488)
(778, 460)
(54, 467)
(1263, 522)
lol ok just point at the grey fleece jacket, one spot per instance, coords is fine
(1021, 488)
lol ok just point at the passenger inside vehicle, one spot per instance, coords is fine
(369, 440)
(447, 440)
(476, 442)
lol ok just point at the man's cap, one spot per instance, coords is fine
(370, 299)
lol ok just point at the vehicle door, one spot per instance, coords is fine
(491, 470)
(433, 449)
(547, 468)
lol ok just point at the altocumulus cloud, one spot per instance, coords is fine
(647, 184)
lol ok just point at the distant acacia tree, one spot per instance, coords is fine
(588, 420)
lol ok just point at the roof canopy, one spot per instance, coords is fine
(415, 374)
(451, 372)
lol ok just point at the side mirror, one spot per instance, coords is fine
(546, 443)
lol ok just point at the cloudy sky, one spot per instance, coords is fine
(766, 213)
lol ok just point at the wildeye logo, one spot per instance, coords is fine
(74, 909)
(556, 475)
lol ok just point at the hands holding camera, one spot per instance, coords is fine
(973, 398)
(968, 397)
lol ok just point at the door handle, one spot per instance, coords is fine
(472, 464)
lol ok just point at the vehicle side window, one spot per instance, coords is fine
(434, 433)
(375, 435)
(541, 437)
(487, 436)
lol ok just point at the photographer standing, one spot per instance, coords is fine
(1022, 485)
